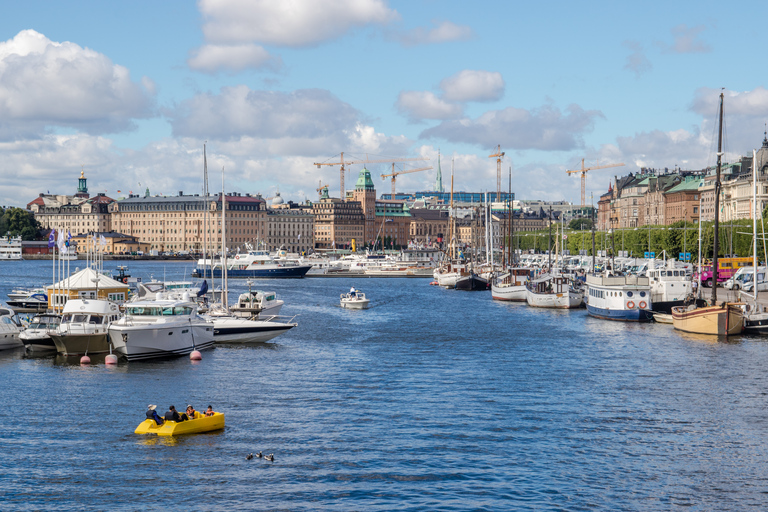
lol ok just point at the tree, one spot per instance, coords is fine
(580, 224)
(19, 222)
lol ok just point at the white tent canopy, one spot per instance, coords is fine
(86, 279)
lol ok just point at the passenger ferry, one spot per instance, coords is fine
(10, 248)
(623, 298)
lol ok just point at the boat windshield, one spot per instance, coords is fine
(43, 323)
(158, 311)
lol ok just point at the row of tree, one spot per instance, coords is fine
(19, 222)
(735, 238)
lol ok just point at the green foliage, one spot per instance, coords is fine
(19, 222)
(585, 224)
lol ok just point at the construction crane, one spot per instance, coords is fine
(498, 156)
(583, 172)
(342, 163)
(394, 174)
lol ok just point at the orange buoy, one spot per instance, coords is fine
(110, 359)
(85, 360)
(195, 355)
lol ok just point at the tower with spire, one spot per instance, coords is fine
(439, 177)
(365, 193)
(761, 157)
(82, 185)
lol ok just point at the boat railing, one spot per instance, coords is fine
(283, 319)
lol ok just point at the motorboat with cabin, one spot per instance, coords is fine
(228, 328)
(553, 291)
(626, 298)
(28, 301)
(160, 328)
(37, 336)
(671, 286)
(10, 327)
(511, 285)
(257, 304)
(84, 325)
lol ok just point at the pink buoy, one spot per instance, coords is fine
(85, 360)
(110, 359)
(195, 355)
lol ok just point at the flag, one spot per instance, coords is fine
(60, 243)
(299, 236)
(52, 239)
(69, 237)
(94, 240)
(103, 241)
(203, 289)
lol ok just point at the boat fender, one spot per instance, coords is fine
(630, 305)
(642, 304)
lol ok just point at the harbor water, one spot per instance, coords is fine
(432, 399)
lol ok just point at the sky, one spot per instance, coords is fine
(129, 92)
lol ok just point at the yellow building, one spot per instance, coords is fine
(86, 284)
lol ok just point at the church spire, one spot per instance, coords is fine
(439, 177)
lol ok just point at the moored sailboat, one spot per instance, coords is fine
(724, 319)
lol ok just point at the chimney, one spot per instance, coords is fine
(181, 193)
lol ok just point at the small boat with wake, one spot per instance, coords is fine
(355, 299)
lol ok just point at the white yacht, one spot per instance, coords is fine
(84, 325)
(10, 327)
(28, 300)
(10, 248)
(37, 336)
(160, 328)
(231, 329)
(254, 263)
(671, 285)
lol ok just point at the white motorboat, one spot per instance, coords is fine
(28, 300)
(257, 304)
(84, 325)
(10, 248)
(254, 263)
(671, 286)
(512, 285)
(354, 300)
(231, 329)
(553, 291)
(37, 336)
(160, 328)
(10, 327)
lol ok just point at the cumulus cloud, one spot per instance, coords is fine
(419, 105)
(290, 23)
(211, 58)
(443, 32)
(545, 128)
(473, 85)
(45, 83)
(637, 62)
(686, 40)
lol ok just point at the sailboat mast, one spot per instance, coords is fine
(754, 223)
(510, 221)
(205, 209)
(224, 290)
(717, 202)
(453, 217)
(549, 247)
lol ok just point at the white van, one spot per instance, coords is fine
(743, 277)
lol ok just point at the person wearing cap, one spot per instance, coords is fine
(152, 414)
(173, 415)
(192, 413)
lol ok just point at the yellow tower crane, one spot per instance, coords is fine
(498, 156)
(583, 172)
(343, 163)
(321, 188)
(394, 174)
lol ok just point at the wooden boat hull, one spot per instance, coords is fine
(173, 428)
(725, 320)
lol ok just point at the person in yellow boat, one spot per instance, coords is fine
(209, 411)
(173, 415)
(152, 414)
(192, 413)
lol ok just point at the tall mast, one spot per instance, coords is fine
(717, 203)
(224, 291)
(754, 222)
(205, 211)
(549, 250)
(510, 222)
(453, 227)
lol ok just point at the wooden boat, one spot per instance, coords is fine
(662, 318)
(173, 428)
(724, 320)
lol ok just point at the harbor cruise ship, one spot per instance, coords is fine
(616, 297)
(10, 248)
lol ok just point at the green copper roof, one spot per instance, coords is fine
(364, 181)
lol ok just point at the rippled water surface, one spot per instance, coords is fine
(431, 400)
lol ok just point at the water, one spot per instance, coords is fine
(431, 400)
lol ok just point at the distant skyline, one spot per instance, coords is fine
(130, 92)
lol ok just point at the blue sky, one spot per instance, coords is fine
(131, 90)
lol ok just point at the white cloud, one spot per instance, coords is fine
(45, 83)
(211, 58)
(545, 128)
(637, 62)
(425, 105)
(291, 23)
(444, 32)
(686, 40)
(473, 85)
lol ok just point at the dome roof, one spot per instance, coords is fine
(277, 200)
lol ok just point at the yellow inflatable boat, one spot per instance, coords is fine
(173, 428)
